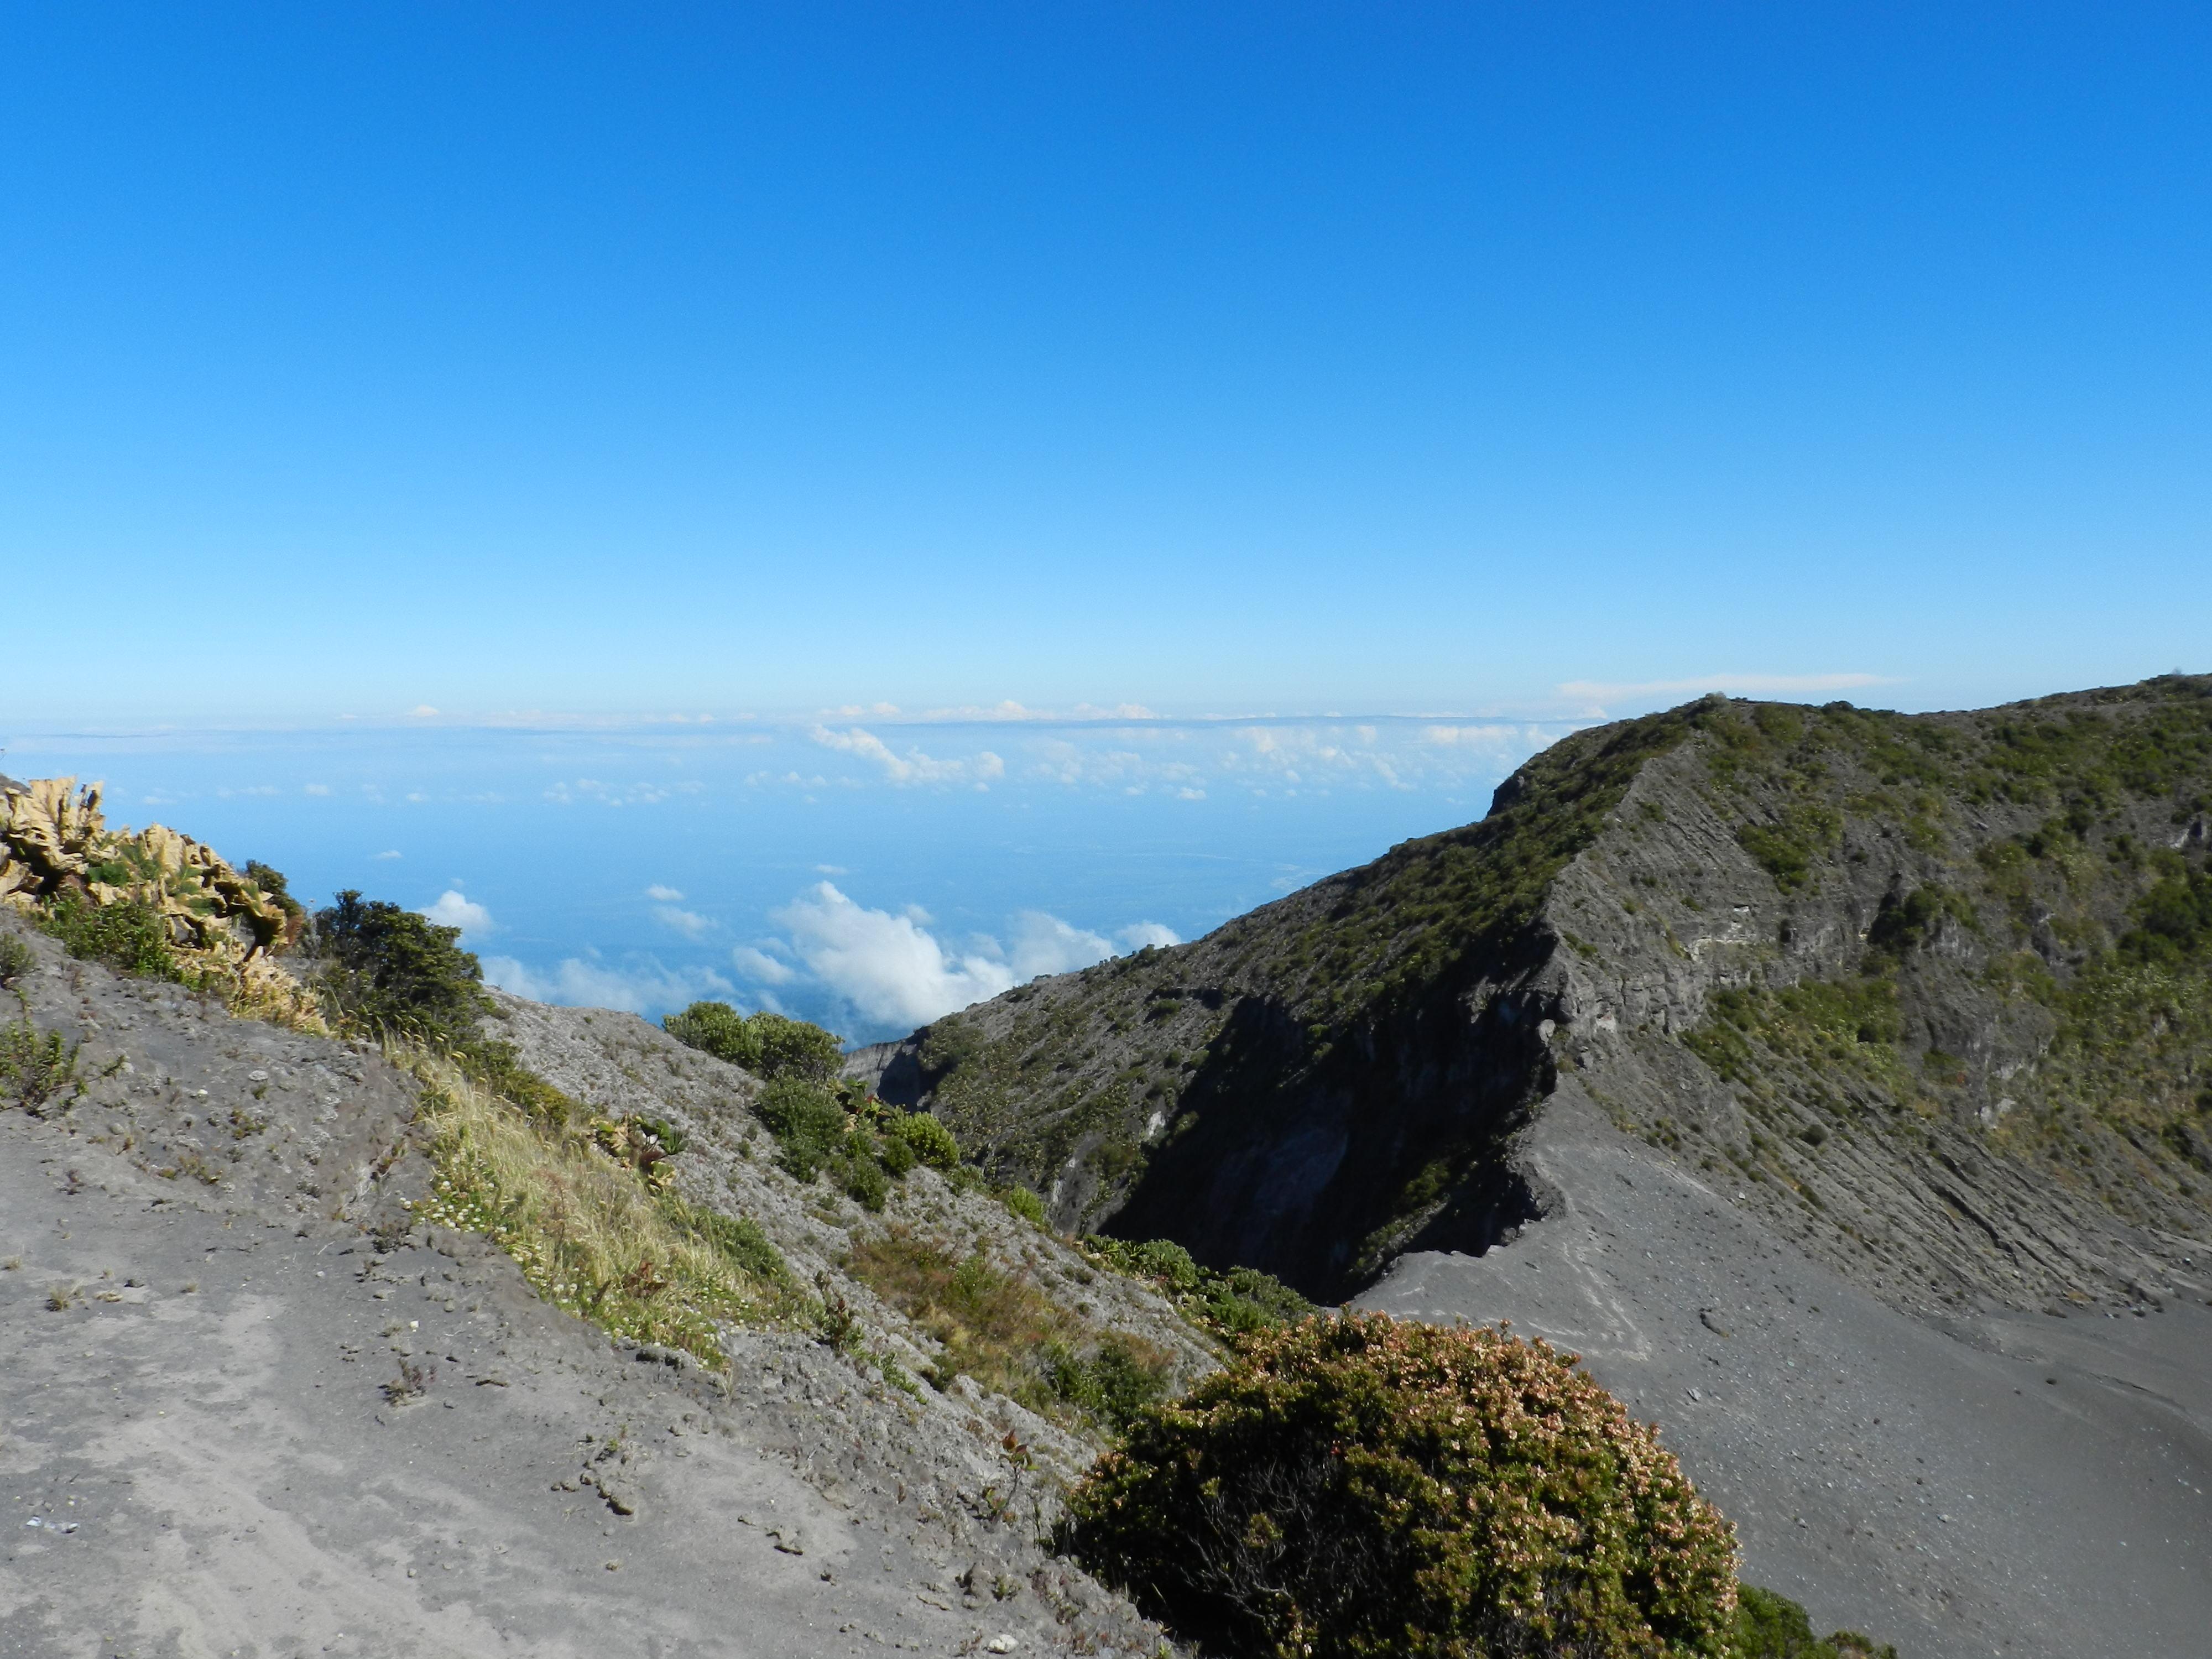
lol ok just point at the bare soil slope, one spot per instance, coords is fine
(252, 1408)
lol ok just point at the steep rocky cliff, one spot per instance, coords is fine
(1929, 993)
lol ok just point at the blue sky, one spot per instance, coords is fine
(845, 506)
(1225, 359)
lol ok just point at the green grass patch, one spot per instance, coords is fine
(1000, 1328)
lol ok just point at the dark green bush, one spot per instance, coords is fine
(16, 960)
(2173, 923)
(738, 1238)
(807, 1122)
(130, 936)
(895, 1156)
(497, 1065)
(390, 971)
(863, 1177)
(1111, 1386)
(1360, 1486)
(771, 1045)
(1771, 1627)
(1902, 927)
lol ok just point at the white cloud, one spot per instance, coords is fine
(1602, 692)
(761, 967)
(888, 967)
(1045, 944)
(689, 923)
(455, 910)
(603, 794)
(666, 895)
(893, 971)
(831, 870)
(1483, 736)
(422, 710)
(579, 984)
(913, 766)
(318, 789)
(393, 853)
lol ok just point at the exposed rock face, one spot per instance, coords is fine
(1909, 924)
(54, 841)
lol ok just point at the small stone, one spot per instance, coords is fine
(1000, 1645)
(614, 1566)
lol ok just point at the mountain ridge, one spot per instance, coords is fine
(1691, 908)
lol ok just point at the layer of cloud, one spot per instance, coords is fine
(665, 894)
(456, 909)
(644, 989)
(761, 967)
(689, 923)
(914, 766)
(1604, 692)
(891, 969)
(1043, 944)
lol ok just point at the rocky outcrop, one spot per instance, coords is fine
(55, 846)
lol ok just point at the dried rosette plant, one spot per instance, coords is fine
(1366, 1487)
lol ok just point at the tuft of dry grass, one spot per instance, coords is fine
(587, 1228)
(1003, 1330)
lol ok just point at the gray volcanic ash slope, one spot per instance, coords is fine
(254, 1403)
(1840, 1083)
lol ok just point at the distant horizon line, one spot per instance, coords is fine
(1581, 705)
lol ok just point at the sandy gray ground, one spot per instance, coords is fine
(215, 1470)
(198, 1455)
(2020, 1484)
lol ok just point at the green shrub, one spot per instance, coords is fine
(771, 1045)
(863, 1177)
(738, 1238)
(2174, 923)
(16, 960)
(1000, 1328)
(1359, 1486)
(497, 1065)
(392, 972)
(1245, 1301)
(35, 1066)
(807, 1122)
(1112, 1385)
(1024, 1204)
(130, 936)
(895, 1156)
(1771, 1627)
(1234, 1305)
(1902, 927)
(927, 1138)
